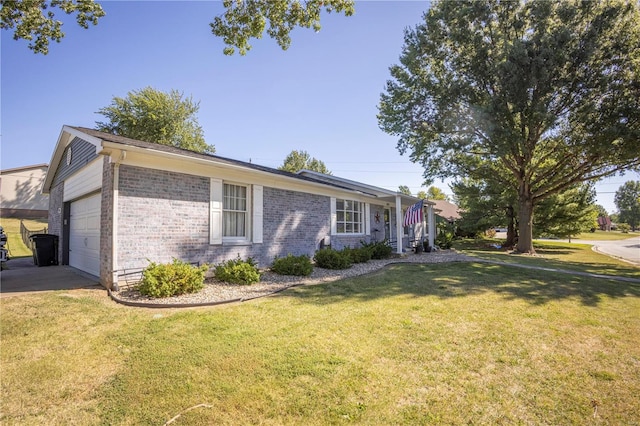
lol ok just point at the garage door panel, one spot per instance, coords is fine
(84, 235)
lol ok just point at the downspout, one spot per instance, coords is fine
(114, 222)
(399, 227)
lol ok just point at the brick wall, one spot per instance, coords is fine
(165, 215)
(55, 215)
(106, 223)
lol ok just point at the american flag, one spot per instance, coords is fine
(413, 214)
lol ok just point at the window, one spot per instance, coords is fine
(350, 217)
(234, 211)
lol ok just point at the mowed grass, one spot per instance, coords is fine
(606, 235)
(552, 254)
(455, 343)
(14, 239)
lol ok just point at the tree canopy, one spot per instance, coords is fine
(34, 20)
(247, 19)
(547, 91)
(627, 201)
(154, 116)
(301, 160)
(435, 193)
(243, 20)
(404, 189)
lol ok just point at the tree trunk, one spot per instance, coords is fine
(525, 224)
(511, 228)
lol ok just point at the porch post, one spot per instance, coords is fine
(432, 225)
(399, 223)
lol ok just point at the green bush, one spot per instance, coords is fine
(446, 233)
(378, 250)
(172, 279)
(238, 271)
(292, 265)
(624, 228)
(332, 259)
(358, 255)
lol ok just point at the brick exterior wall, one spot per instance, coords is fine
(106, 224)
(165, 215)
(55, 215)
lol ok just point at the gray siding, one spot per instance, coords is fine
(82, 153)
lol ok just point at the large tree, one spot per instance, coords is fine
(550, 91)
(34, 20)
(435, 193)
(627, 201)
(567, 213)
(154, 116)
(242, 20)
(301, 160)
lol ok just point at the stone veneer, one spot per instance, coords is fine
(165, 215)
(56, 209)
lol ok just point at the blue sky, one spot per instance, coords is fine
(320, 95)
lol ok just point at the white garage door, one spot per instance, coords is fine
(84, 235)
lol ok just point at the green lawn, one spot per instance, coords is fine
(413, 344)
(552, 254)
(606, 236)
(14, 240)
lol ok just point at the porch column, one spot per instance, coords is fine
(399, 227)
(432, 225)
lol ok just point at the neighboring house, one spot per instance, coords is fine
(118, 203)
(20, 192)
(446, 211)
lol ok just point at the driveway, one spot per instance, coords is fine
(628, 249)
(23, 277)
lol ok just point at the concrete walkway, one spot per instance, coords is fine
(24, 277)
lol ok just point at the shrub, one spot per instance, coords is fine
(378, 250)
(490, 233)
(238, 271)
(445, 235)
(292, 265)
(172, 279)
(624, 228)
(358, 255)
(332, 259)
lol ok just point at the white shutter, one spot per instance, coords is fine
(257, 213)
(215, 212)
(334, 227)
(367, 219)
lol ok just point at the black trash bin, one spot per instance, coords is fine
(45, 252)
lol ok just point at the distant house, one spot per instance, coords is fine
(446, 211)
(118, 203)
(20, 192)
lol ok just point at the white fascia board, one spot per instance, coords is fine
(149, 158)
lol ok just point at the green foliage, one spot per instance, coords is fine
(421, 194)
(627, 201)
(332, 259)
(379, 249)
(166, 280)
(435, 193)
(238, 271)
(624, 228)
(444, 237)
(292, 265)
(34, 20)
(158, 117)
(404, 189)
(566, 214)
(301, 160)
(247, 19)
(358, 254)
(545, 92)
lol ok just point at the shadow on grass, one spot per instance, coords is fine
(463, 279)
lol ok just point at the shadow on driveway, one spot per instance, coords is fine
(22, 276)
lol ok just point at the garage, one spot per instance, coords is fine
(84, 234)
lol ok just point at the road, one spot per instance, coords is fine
(628, 249)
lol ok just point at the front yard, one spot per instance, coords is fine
(412, 344)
